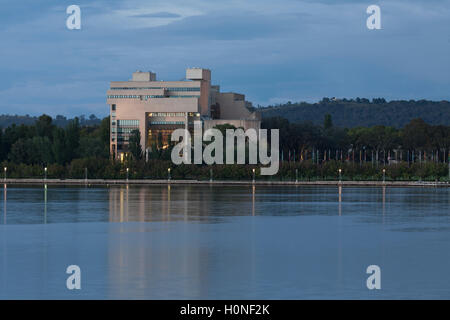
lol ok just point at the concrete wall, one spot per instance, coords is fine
(245, 124)
(143, 76)
(233, 106)
(158, 84)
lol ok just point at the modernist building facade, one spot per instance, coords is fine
(157, 108)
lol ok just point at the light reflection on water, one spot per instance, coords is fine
(50, 204)
(224, 242)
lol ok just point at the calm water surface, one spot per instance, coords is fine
(220, 242)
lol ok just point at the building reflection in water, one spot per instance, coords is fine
(168, 202)
(140, 256)
(159, 203)
(147, 258)
(340, 200)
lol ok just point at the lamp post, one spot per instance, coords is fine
(384, 175)
(45, 173)
(168, 174)
(210, 175)
(85, 175)
(296, 175)
(5, 169)
(340, 175)
(128, 170)
(253, 175)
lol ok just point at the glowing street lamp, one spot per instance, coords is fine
(45, 173)
(253, 175)
(384, 175)
(128, 169)
(5, 169)
(168, 174)
(340, 175)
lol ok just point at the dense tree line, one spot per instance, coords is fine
(60, 120)
(45, 143)
(415, 142)
(362, 112)
(308, 151)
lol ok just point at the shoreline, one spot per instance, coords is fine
(107, 182)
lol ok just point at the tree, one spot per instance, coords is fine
(134, 144)
(327, 122)
(39, 150)
(36, 150)
(92, 146)
(19, 152)
(44, 127)
(415, 134)
(105, 129)
(2, 151)
(72, 139)
(59, 145)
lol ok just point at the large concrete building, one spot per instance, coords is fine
(157, 108)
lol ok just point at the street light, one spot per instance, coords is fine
(128, 169)
(340, 175)
(296, 175)
(45, 173)
(253, 175)
(384, 175)
(210, 175)
(168, 174)
(5, 169)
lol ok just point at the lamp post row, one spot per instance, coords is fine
(5, 169)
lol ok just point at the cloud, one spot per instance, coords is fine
(269, 50)
(157, 15)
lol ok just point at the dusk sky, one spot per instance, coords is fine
(272, 51)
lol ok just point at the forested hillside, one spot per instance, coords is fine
(350, 113)
(7, 120)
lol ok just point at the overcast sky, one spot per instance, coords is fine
(272, 51)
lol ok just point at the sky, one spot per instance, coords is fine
(271, 51)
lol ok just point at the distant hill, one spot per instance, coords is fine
(362, 112)
(60, 121)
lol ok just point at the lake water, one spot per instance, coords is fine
(224, 242)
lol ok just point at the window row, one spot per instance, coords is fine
(131, 97)
(122, 130)
(128, 122)
(167, 122)
(158, 88)
(173, 114)
(146, 97)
